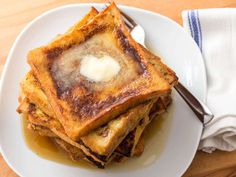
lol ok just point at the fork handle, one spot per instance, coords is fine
(199, 108)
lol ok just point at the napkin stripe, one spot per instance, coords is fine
(190, 24)
(199, 29)
(195, 27)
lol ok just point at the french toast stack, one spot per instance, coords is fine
(94, 114)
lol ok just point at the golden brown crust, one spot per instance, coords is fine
(96, 108)
(85, 20)
(31, 87)
(88, 17)
(168, 74)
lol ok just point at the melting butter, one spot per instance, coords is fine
(103, 47)
(100, 69)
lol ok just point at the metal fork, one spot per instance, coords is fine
(198, 107)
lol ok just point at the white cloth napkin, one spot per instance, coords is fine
(214, 30)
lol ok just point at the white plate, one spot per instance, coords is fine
(168, 152)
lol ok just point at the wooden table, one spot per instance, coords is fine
(15, 14)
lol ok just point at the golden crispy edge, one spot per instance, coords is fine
(31, 87)
(168, 74)
(39, 64)
(85, 20)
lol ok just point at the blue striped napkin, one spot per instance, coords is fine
(214, 31)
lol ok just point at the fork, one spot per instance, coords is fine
(198, 107)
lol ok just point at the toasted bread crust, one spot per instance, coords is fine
(168, 74)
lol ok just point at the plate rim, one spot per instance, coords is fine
(47, 12)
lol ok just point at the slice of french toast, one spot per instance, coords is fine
(82, 103)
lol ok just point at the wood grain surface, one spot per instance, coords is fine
(15, 14)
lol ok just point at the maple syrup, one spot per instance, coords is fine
(45, 148)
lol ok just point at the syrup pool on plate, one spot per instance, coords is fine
(44, 147)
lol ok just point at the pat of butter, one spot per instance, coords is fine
(99, 69)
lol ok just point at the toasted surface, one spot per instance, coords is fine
(79, 104)
(31, 87)
(85, 20)
(168, 74)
